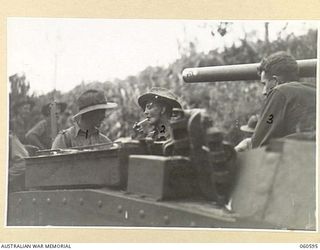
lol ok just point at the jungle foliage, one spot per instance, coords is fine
(230, 104)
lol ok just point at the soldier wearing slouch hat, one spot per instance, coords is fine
(92, 105)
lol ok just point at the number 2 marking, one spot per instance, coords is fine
(270, 119)
(163, 129)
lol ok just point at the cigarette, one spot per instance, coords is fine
(141, 122)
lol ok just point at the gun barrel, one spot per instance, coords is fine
(307, 68)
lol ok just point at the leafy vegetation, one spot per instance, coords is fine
(229, 103)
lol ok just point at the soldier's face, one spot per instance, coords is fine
(24, 110)
(58, 112)
(94, 118)
(153, 112)
(268, 84)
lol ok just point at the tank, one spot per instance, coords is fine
(195, 180)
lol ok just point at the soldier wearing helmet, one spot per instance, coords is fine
(248, 129)
(157, 105)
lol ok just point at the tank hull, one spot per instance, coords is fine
(275, 189)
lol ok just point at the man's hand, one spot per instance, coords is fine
(138, 131)
(137, 128)
(244, 145)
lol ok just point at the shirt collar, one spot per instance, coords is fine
(78, 130)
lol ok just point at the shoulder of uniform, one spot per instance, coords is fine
(278, 91)
(288, 85)
(72, 131)
(62, 132)
(41, 123)
(104, 136)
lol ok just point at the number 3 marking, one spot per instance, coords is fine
(270, 119)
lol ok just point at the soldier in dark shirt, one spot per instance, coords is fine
(290, 106)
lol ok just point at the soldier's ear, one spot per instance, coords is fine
(277, 79)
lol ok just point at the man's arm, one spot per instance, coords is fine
(244, 145)
(33, 135)
(59, 142)
(34, 140)
(271, 123)
(104, 139)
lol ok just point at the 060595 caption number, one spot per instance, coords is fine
(308, 245)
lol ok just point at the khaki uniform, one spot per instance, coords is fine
(75, 137)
